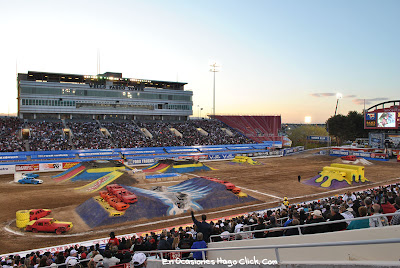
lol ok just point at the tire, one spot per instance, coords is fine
(60, 230)
(21, 224)
(34, 230)
(22, 215)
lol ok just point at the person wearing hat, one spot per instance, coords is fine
(139, 260)
(96, 261)
(316, 218)
(73, 255)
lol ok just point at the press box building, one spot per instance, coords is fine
(44, 95)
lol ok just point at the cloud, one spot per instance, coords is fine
(350, 96)
(368, 101)
(318, 95)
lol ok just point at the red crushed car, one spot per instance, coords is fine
(113, 188)
(48, 225)
(35, 214)
(118, 205)
(126, 196)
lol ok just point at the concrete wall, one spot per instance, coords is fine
(379, 252)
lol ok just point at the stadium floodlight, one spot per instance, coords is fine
(213, 69)
(338, 97)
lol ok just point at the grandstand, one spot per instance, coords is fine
(257, 128)
(42, 135)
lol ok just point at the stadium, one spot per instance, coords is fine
(88, 135)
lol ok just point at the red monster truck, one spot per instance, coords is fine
(48, 225)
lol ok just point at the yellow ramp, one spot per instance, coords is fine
(331, 177)
(349, 174)
(360, 171)
(100, 182)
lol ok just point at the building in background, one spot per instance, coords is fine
(43, 95)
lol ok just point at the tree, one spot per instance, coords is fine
(347, 127)
(299, 134)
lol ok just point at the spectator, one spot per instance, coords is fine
(260, 226)
(292, 231)
(139, 260)
(109, 259)
(200, 243)
(72, 258)
(346, 213)
(335, 216)
(361, 223)
(317, 218)
(387, 207)
(202, 226)
(377, 222)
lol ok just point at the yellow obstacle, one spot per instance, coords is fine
(360, 170)
(332, 175)
(22, 215)
(348, 174)
(341, 172)
(241, 194)
(112, 211)
(244, 159)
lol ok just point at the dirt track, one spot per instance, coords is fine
(273, 180)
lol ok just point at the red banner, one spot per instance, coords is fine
(30, 167)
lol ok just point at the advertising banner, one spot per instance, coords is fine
(221, 156)
(50, 166)
(140, 161)
(52, 156)
(362, 154)
(319, 138)
(181, 150)
(8, 157)
(145, 151)
(28, 167)
(379, 156)
(210, 149)
(69, 165)
(339, 152)
(7, 169)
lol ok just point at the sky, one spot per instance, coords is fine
(281, 57)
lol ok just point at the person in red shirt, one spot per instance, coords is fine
(113, 241)
(387, 207)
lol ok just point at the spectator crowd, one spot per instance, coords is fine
(50, 136)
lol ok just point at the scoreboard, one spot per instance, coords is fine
(385, 118)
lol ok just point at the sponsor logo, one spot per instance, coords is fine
(9, 157)
(339, 152)
(362, 154)
(50, 166)
(32, 167)
(69, 165)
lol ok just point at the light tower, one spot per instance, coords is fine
(338, 97)
(213, 69)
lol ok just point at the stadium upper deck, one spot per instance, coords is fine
(44, 95)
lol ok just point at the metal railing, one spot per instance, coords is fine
(299, 227)
(276, 248)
